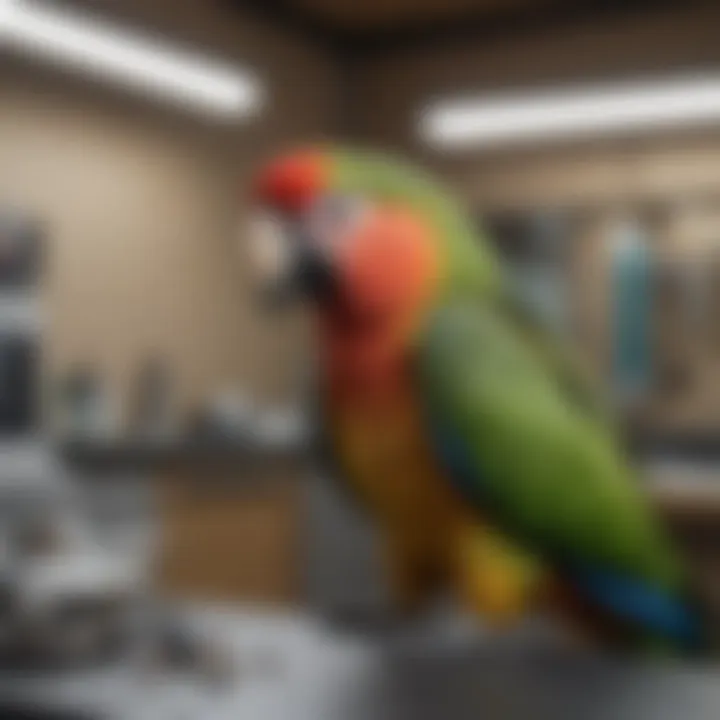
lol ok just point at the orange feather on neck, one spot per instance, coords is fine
(388, 273)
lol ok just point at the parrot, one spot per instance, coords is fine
(474, 440)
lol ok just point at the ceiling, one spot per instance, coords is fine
(382, 25)
(374, 15)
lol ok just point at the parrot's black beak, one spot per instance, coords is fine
(310, 276)
(289, 265)
(314, 277)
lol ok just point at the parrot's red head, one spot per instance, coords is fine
(362, 258)
(292, 183)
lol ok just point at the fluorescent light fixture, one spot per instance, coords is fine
(139, 62)
(624, 108)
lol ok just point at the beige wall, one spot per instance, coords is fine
(139, 201)
(397, 87)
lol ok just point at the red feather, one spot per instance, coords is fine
(292, 182)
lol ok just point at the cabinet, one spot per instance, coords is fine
(223, 540)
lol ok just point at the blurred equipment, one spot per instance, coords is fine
(281, 426)
(229, 414)
(686, 391)
(19, 250)
(534, 248)
(675, 375)
(84, 407)
(234, 416)
(64, 599)
(20, 255)
(177, 646)
(19, 384)
(152, 414)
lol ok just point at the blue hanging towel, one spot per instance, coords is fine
(631, 312)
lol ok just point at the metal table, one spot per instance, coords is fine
(443, 672)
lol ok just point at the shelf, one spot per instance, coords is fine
(691, 446)
(682, 479)
(151, 456)
(685, 488)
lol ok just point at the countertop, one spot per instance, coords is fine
(293, 668)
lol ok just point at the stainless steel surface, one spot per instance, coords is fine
(291, 667)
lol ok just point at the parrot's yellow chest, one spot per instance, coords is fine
(381, 447)
(433, 537)
(433, 540)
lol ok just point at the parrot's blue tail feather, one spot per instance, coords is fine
(643, 605)
(650, 609)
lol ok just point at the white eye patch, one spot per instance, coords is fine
(269, 248)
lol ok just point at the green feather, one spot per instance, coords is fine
(541, 462)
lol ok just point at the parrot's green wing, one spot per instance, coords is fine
(525, 451)
(571, 374)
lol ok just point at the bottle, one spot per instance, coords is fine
(630, 312)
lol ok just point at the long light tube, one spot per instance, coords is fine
(567, 114)
(130, 58)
